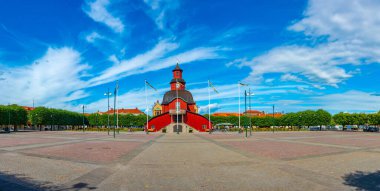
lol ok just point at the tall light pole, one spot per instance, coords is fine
(147, 107)
(114, 108)
(177, 104)
(209, 106)
(240, 84)
(245, 107)
(51, 117)
(9, 118)
(83, 116)
(273, 119)
(117, 109)
(108, 93)
(245, 101)
(249, 106)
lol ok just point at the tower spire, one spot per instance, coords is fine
(177, 68)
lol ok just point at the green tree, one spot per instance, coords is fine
(323, 118)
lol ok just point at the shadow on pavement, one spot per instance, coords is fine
(363, 180)
(18, 182)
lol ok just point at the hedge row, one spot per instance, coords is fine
(13, 115)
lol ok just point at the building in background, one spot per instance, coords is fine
(249, 113)
(177, 107)
(123, 111)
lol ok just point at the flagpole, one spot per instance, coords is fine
(209, 110)
(239, 104)
(250, 109)
(147, 111)
(177, 109)
(117, 109)
(114, 113)
(108, 93)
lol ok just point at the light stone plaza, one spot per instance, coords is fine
(198, 161)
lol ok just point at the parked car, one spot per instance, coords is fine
(371, 129)
(334, 127)
(314, 128)
(350, 128)
(5, 130)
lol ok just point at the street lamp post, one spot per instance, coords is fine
(250, 109)
(114, 108)
(273, 119)
(51, 125)
(108, 93)
(117, 110)
(177, 104)
(299, 123)
(146, 110)
(35, 122)
(83, 116)
(97, 120)
(147, 107)
(245, 107)
(209, 102)
(209, 109)
(240, 84)
(9, 118)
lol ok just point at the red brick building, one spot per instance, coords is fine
(249, 113)
(123, 111)
(178, 103)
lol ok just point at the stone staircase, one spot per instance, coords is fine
(183, 128)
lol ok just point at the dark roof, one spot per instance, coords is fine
(180, 80)
(183, 94)
(177, 68)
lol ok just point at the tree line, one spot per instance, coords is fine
(306, 118)
(42, 116)
(357, 119)
(128, 120)
(15, 115)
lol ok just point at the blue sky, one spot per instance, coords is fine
(294, 54)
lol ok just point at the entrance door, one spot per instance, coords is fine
(175, 118)
(177, 128)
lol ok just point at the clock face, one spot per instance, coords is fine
(177, 85)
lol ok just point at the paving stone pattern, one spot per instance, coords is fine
(201, 161)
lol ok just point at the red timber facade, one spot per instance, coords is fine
(178, 103)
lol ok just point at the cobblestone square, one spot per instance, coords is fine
(200, 161)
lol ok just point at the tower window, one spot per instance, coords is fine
(177, 73)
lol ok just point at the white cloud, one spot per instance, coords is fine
(125, 67)
(354, 20)
(228, 91)
(319, 64)
(159, 9)
(155, 59)
(52, 80)
(213, 108)
(269, 80)
(97, 10)
(131, 99)
(356, 101)
(353, 39)
(290, 77)
(92, 37)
